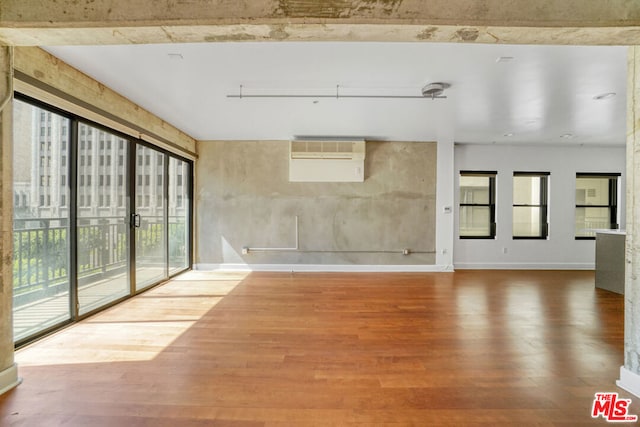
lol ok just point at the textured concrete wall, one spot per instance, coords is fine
(244, 198)
(55, 13)
(6, 213)
(48, 22)
(632, 278)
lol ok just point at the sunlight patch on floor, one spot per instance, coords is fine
(105, 337)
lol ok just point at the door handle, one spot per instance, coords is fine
(135, 220)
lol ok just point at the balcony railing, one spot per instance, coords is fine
(41, 251)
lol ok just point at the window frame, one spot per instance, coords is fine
(492, 175)
(76, 201)
(543, 205)
(613, 178)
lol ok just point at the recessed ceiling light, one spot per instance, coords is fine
(508, 134)
(566, 135)
(505, 59)
(604, 96)
(175, 56)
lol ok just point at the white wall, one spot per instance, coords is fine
(445, 186)
(560, 250)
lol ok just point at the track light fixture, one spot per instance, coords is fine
(430, 91)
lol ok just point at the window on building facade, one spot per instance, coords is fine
(477, 219)
(530, 205)
(596, 203)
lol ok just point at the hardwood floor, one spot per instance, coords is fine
(484, 348)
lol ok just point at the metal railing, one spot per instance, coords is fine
(41, 251)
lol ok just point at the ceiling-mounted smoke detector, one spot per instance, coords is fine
(435, 90)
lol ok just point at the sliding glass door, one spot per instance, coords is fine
(98, 216)
(41, 280)
(103, 220)
(150, 217)
(179, 214)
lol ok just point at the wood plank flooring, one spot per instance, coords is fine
(471, 348)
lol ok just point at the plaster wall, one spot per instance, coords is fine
(560, 250)
(244, 199)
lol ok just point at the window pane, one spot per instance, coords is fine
(592, 218)
(102, 233)
(40, 231)
(527, 221)
(151, 241)
(475, 221)
(592, 191)
(474, 189)
(178, 216)
(526, 190)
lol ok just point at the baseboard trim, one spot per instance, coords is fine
(523, 266)
(629, 381)
(9, 379)
(329, 268)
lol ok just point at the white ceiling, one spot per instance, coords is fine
(544, 92)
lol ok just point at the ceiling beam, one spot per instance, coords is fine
(55, 22)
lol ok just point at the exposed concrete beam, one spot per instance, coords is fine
(51, 22)
(8, 371)
(34, 65)
(89, 13)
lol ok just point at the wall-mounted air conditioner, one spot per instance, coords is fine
(326, 160)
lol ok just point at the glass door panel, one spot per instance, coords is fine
(179, 174)
(102, 218)
(40, 220)
(150, 217)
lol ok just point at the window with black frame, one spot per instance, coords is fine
(477, 219)
(596, 203)
(530, 205)
(75, 239)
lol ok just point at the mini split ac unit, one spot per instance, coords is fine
(326, 160)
